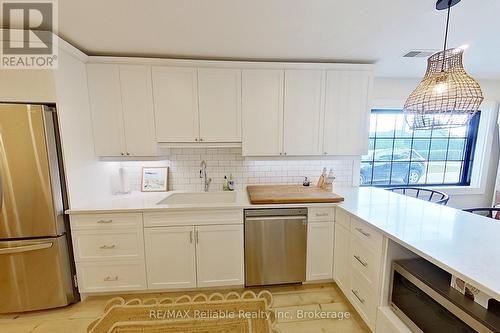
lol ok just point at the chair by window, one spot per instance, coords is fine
(490, 212)
(438, 197)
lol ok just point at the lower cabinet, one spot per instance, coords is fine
(194, 256)
(341, 261)
(357, 262)
(320, 238)
(170, 257)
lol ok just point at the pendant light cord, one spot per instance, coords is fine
(447, 24)
(446, 34)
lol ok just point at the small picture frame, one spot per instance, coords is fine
(154, 179)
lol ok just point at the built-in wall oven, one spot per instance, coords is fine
(422, 298)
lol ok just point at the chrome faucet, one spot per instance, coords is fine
(203, 174)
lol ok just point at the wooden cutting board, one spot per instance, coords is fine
(283, 194)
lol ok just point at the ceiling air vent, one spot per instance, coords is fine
(419, 53)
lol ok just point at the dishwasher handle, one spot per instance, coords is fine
(276, 218)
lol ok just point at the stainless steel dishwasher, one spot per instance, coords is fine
(275, 246)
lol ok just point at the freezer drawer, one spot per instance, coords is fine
(35, 274)
(275, 246)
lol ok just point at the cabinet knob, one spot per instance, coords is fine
(128, 154)
(201, 139)
(122, 154)
(195, 139)
(285, 153)
(325, 153)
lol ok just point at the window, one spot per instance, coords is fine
(400, 156)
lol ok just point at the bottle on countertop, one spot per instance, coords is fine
(230, 183)
(225, 184)
(306, 182)
(329, 180)
(322, 179)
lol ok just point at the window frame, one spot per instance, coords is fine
(466, 161)
(482, 155)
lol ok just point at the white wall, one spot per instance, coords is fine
(398, 89)
(87, 177)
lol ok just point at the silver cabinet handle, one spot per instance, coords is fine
(321, 214)
(358, 258)
(191, 237)
(26, 248)
(363, 232)
(355, 292)
(109, 278)
(104, 221)
(108, 247)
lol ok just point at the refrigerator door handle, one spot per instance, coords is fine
(26, 248)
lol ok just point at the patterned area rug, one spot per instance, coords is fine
(232, 313)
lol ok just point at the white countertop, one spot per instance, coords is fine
(461, 243)
(140, 201)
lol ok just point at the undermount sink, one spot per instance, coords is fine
(199, 198)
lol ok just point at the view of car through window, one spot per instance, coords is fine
(399, 156)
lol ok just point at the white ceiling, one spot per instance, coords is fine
(371, 31)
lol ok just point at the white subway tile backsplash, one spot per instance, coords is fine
(184, 169)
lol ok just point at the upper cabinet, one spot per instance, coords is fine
(121, 103)
(197, 105)
(176, 104)
(300, 112)
(262, 109)
(273, 110)
(304, 105)
(347, 112)
(219, 101)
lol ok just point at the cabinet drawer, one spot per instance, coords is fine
(343, 218)
(367, 234)
(361, 298)
(365, 261)
(321, 214)
(108, 245)
(193, 217)
(111, 276)
(106, 221)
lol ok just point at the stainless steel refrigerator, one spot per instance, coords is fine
(36, 266)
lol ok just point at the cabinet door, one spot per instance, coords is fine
(347, 112)
(341, 261)
(304, 105)
(219, 94)
(320, 237)
(138, 112)
(219, 255)
(262, 110)
(170, 257)
(106, 109)
(176, 104)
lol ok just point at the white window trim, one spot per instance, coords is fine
(482, 154)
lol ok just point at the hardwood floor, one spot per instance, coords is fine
(297, 307)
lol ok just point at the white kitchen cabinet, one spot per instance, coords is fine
(320, 239)
(170, 257)
(121, 103)
(219, 255)
(194, 256)
(303, 109)
(262, 112)
(347, 112)
(342, 261)
(219, 102)
(175, 91)
(138, 111)
(106, 109)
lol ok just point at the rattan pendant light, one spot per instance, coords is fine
(447, 96)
